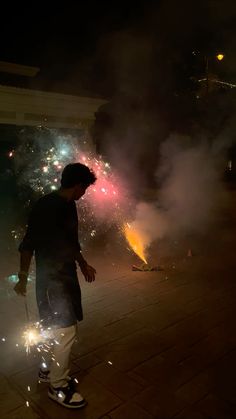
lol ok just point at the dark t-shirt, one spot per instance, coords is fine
(52, 234)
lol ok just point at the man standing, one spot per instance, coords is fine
(52, 235)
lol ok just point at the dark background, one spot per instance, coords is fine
(145, 58)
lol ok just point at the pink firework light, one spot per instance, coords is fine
(107, 196)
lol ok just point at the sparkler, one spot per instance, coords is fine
(31, 334)
(26, 309)
(31, 337)
(42, 339)
(35, 335)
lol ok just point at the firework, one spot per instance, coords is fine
(135, 240)
(32, 337)
(36, 337)
(39, 165)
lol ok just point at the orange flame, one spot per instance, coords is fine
(134, 238)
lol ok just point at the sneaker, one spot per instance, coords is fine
(66, 396)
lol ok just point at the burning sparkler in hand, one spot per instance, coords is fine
(32, 337)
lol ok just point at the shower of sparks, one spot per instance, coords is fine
(44, 172)
(39, 164)
(32, 337)
(135, 240)
(35, 336)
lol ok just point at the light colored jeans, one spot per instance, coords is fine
(59, 368)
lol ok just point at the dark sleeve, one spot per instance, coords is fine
(28, 242)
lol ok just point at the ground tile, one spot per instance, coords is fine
(118, 382)
(129, 411)
(10, 399)
(24, 412)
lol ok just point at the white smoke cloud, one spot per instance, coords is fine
(190, 195)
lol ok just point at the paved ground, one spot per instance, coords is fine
(152, 345)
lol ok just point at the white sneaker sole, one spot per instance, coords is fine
(55, 399)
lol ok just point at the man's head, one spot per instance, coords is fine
(77, 177)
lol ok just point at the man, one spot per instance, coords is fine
(52, 235)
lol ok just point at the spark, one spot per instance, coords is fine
(31, 337)
(27, 403)
(109, 362)
(28, 388)
(35, 336)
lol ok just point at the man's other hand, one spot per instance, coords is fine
(89, 272)
(20, 287)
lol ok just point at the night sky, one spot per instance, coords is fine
(145, 58)
(105, 48)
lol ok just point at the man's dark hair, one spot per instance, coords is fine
(77, 173)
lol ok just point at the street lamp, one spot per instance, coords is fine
(219, 57)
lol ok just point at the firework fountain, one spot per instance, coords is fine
(107, 203)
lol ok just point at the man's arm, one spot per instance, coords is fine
(25, 260)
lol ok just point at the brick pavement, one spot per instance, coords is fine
(152, 345)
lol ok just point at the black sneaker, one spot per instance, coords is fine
(66, 396)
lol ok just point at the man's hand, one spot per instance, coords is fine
(88, 272)
(20, 287)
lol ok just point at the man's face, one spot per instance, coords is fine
(79, 190)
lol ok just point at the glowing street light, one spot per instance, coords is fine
(220, 57)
